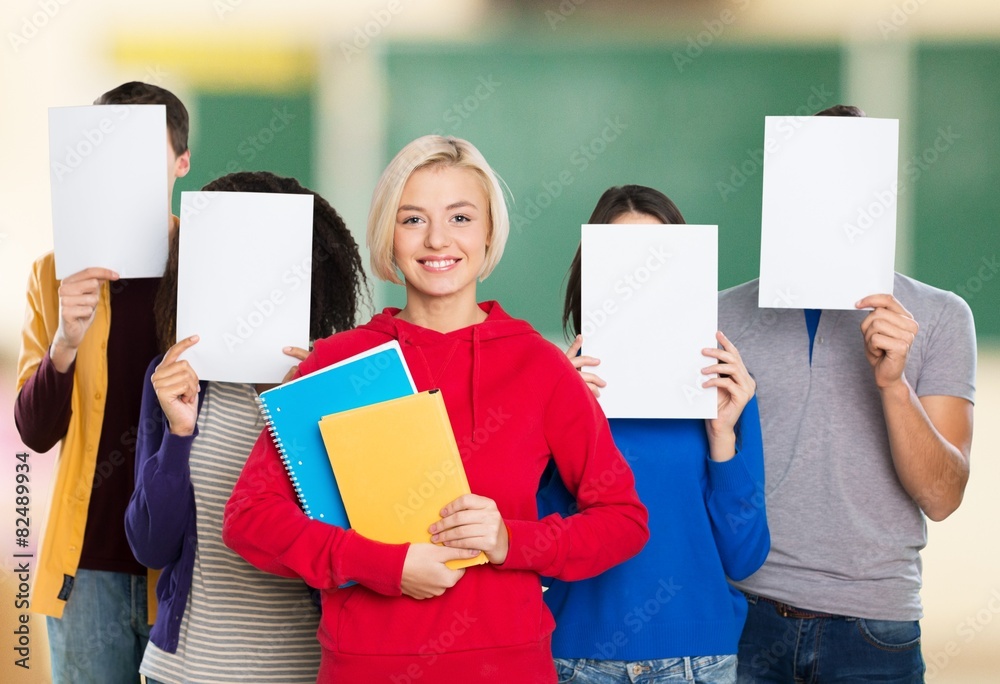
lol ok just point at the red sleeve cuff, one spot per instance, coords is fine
(376, 565)
(531, 545)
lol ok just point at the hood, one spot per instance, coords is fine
(498, 324)
(441, 347)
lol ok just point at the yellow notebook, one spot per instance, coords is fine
(397, 465)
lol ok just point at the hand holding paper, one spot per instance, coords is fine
(78, 298)
(177, 389)
(594, 381)
(473, 522)
(735, 389)
(425, 574)
(296, 353)
(889, 331)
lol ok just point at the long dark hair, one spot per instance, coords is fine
(339, 284)
(622, 199)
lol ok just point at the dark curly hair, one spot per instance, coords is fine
(339, 285)
(615, 201)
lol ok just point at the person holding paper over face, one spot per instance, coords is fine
(670, 610)
(867, 422)
(84, 345)
(217, 613)
(514, 402)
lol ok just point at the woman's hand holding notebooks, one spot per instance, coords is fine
(397, 466)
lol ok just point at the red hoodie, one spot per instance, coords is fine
(515, 401)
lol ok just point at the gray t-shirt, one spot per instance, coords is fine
(845, 535)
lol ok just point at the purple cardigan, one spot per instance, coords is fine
(160, 520)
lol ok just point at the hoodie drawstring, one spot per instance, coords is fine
(475, 378)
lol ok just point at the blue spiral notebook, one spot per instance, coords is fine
(293, 411)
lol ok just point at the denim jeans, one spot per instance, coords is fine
(701, 670)
(103, 632)
(824, 649)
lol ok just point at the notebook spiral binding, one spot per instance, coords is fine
(266, 412)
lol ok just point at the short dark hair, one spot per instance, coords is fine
(841, 110)
(616, 201)
(137, 92)
(339, 285)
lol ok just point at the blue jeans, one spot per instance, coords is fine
(827, 648)
(103, 632)
(701, 670)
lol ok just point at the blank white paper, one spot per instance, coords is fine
(828, 223)
(244, 282)
(108, 172)
(648, 307)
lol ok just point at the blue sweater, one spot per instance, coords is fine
(707, 522)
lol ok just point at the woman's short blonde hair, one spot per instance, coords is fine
(428, 151)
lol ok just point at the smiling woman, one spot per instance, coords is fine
(516, 404)
(440, 244)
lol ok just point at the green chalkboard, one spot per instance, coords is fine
(955, 174)
(248, 131)
(561, 124)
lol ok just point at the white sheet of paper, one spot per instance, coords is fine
(108, 172)
(828, 223)
(648, 307)
(244, 282)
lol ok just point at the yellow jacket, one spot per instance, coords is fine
(62, 540)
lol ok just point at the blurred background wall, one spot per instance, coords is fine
(564, 99)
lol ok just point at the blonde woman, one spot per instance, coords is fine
(515, 402)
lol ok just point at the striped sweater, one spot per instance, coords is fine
(224, 620)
